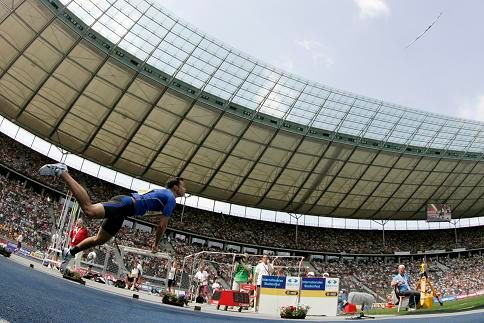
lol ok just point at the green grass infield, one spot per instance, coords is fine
(466, 304)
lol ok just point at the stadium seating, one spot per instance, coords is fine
(25, 205)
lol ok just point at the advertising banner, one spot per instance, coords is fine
(320, 294)
(277, 291)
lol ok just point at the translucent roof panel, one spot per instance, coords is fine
(152, 34)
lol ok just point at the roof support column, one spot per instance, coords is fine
(382, 223)
(297, 217)
(454, 223)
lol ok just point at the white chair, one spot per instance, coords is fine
(400, 299)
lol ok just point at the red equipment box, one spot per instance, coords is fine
(230, 298)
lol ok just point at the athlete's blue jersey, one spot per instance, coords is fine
(154, 201)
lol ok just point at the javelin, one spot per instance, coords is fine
(420, 36)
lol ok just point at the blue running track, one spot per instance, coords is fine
(31, 296)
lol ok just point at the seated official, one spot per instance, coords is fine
(402, 283)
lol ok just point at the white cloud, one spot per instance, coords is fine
(309, 44)
(320, 57)
(474, 110)
(316, 51)
(372, 8)
(285, 63)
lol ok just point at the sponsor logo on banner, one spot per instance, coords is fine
(24, 252)
(446, 299)
(11, 246)
(37, 255)
(273, 282)
(332, 284)
(292, 292)
(292, 283)
(313, 283)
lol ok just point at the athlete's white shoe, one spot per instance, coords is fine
(53, 169)
(67, 256)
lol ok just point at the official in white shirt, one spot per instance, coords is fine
(264, 267)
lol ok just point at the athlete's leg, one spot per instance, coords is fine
(95, 211)
(97, 240)
(101, 238)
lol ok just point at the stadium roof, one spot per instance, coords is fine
(125, 84)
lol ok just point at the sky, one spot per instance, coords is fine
(359, 45)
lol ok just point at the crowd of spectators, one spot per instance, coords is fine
(26, 210)
(461, 275)
(27, 162)
(449, 276)
(230, 228)
(22, 211)
(280, 235)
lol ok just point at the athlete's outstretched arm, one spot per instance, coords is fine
(160, 231)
